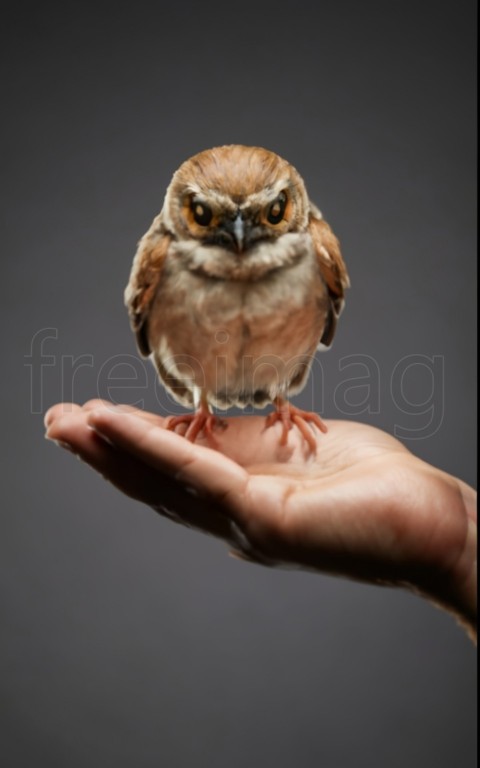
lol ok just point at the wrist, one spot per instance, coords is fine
(465, 574)
(458, 592)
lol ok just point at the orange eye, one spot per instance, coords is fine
(201, 213)
(276, 210)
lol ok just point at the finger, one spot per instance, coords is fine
(96, 403)
(139, 480)
(64, 409)
(72, 432)
(204, 469)
(58, 410)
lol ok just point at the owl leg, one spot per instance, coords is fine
(200, 421)
(289, 415)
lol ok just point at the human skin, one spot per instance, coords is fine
(361, 506)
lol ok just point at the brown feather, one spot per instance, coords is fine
(143, 282)
(248, 169)
(330, 260)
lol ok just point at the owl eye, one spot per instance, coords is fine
(276, 209)
(201, 213)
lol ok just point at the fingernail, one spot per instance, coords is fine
(66, 446)
(92, 417)
(61, 444)
(100, 434)
(47, 419)
(237, 555)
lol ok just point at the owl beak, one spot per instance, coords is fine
(236, 230)
(239, 232)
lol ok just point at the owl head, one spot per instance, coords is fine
(235, 213)
(235, 197)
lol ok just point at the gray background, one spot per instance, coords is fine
(125, 640)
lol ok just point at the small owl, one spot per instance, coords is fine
(234, 286)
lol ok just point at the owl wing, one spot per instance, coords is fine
(144, 278)
(332, 268)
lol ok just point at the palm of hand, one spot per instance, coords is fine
(362, 506)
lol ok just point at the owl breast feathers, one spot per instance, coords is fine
(237, 281)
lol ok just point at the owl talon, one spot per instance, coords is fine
(201, 421)
(289, 415)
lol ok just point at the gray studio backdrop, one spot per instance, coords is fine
(127, 641)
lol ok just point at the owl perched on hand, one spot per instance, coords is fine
(233, 287)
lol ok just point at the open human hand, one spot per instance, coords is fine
(361, 506)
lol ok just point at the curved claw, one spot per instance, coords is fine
(201, 421)
(289, 415)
